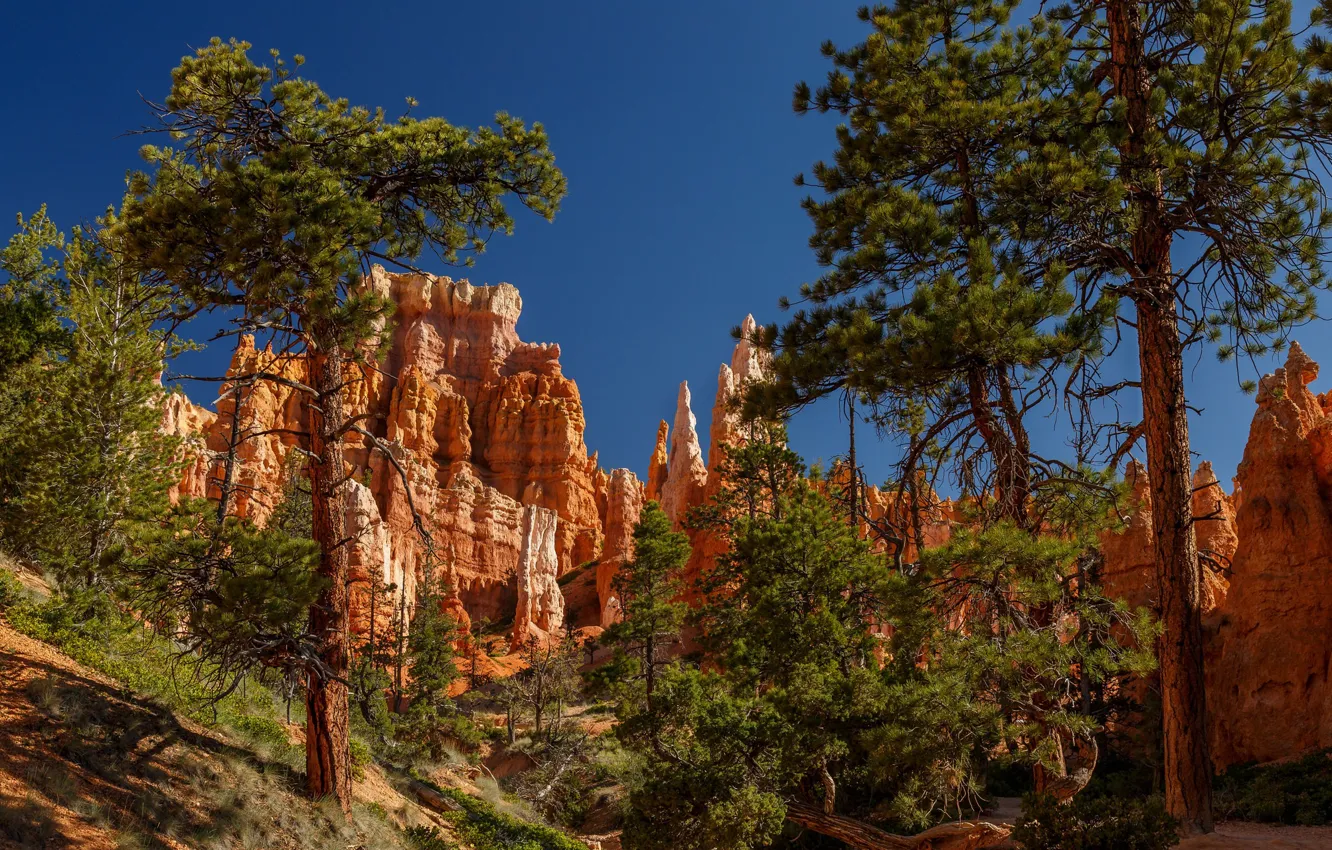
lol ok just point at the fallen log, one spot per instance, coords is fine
(432, 799)
(965, 835)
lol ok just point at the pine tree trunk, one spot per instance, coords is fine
(328, 713)
(1012, 476)
(1188, 768)
(849, 831)
(1188, 765)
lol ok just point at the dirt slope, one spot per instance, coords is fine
(83, 764)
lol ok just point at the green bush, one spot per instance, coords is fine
(360, 757)
(1296, 792)
(427, 838)
(11, 592)
(1100, 823)
(483, 828)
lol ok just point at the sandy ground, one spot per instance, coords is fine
(1258, 836)
(1228, 836)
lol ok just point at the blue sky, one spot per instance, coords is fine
(672, 123)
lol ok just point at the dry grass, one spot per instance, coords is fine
(84, 764)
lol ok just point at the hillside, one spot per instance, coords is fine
(87, 763)
(84, 763)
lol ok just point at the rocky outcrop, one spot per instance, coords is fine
(540, 610)
(658, 467)
(372, 569)
(481, 426)
(686, 473)
(747, 366)
(689, 481)
(624, 506)
(1217, 534)
(889, 515)
(188, 422)
(1128, 569)
(1269, 693)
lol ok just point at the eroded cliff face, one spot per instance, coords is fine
(481, 427)
(1129, 568)
(486, 448)
(624, 506)
(1267, 575)
(1269, 694)
(540, 610)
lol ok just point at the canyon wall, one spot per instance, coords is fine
(1270, 652)
(485, 445)
(485, 440)
(1266, 551)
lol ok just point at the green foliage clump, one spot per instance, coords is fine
(835, 681)
(237, 595)
(1095, 823)
(427, 838)
(11, 591)
(29, 319)
(1295, 792)
(480, 826)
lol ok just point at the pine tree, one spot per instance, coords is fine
(433, 720)
(235, 596)
(938, 309)
(89, 454)
(649, 590)
(274, 205)
(1180, 178)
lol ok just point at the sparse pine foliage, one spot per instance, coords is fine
(84, 453)
(433, 722)
(644, 640)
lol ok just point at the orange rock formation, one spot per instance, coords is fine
(1269, 694)
(486, 435)
(483, 428)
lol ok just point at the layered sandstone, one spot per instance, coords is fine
(624, 506)
(659, 465)
(686, 474)
(540, 611)
(479, 427)
(1269, 693)
(188, 422)
(1128, 570)
(688, 481)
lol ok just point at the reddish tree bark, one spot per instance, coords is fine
(1188, 769)
(328, 712)
(863, 836)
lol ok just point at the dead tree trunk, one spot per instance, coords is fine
(862, 836)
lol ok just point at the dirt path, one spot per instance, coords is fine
(1259, 836)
